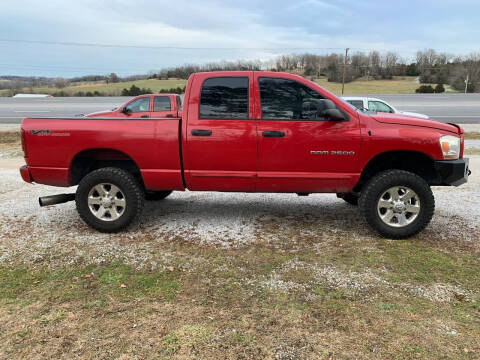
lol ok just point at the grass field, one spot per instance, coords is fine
(112, 89)
(399, 85)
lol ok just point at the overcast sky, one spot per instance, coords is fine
(246, 29)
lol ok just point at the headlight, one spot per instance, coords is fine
(450, 146)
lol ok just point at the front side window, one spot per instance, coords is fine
(379, 106)
(224, 98)
(283, 99)
(161, 103)
(139, 105)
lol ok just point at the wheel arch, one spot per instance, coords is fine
(89, 160)
(416, 162)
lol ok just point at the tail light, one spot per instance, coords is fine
(24, 143)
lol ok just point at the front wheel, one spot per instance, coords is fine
(397, 204)
(109, 199)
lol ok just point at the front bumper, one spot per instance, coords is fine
(25, 173)
(452, 172)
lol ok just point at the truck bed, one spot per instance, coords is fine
(152, 144)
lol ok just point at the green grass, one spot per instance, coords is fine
(111, 89)
(398, 85)
(115, 280)
(185, 336)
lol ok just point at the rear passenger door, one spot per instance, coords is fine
(220, 152)
(163, 107)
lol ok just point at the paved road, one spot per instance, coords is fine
(12, 110)
(459, 108)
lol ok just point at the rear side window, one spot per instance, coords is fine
(284, 99)
(224, 98)
(161, 103)
(357, 103)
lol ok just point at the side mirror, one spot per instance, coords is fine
(334, 115)
(326, 109)
(125, 110)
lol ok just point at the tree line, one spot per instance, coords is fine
(430, 66)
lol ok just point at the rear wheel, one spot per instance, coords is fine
(109, 199)
(156, 195)
(397, 204)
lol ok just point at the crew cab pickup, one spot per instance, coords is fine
(247, 132)
(146, 106)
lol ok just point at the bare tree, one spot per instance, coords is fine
(113, 78)
(16, 86)
(60, 82)
(468, 67)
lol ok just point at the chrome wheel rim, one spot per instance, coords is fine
(106, 201)
(398, 206)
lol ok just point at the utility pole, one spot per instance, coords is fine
(344, 69)
(466, 84)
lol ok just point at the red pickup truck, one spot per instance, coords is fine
(146, 106)
(248, 132)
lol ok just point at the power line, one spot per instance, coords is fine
(66, 68)
(159, 47)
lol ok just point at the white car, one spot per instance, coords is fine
(377, 105)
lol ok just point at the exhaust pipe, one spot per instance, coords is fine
(55, 199)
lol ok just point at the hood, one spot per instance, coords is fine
(413, 114)
(415, 121)
(100, 113)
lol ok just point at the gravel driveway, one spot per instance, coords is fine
(55, 236)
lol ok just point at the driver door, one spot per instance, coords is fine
(298, 152)
(137, 108)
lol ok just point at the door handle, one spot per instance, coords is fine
(144, 116)
(273, 134)
(201, 132)
(169, 116)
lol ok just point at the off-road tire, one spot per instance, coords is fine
(156, 195)
(377, 185)
(129, 186)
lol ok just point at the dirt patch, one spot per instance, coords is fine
(472, 151)
(9, 137)
(472, 135)
(10, 144)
